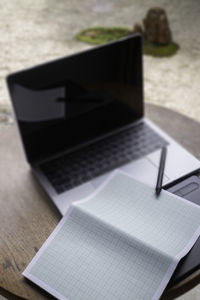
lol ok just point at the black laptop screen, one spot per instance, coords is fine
(70, 101)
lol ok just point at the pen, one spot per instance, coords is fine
(161, 171)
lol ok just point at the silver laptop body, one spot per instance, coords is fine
(82, 116)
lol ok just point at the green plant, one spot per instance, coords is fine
(102, 35)
(159, 50)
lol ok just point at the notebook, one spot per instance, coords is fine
(122, 242)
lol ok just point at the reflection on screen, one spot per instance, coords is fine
(64, 103)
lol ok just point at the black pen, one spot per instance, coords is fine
(161, 171)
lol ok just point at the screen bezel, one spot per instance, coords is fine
(15, 77)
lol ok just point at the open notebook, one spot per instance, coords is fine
(120, 243)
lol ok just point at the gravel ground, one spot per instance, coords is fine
(36, 31)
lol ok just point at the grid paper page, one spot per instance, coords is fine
(99, 251)
(166, 222)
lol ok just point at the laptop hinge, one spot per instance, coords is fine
(83, 145)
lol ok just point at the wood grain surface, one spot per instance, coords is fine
(27, 216)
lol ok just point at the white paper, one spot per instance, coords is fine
(120, 243)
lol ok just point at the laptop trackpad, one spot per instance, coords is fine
(141, 169)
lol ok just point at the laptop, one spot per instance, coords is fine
(82, 116)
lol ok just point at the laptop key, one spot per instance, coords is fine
(69, 171)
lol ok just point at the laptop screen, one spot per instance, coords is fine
(73, 100)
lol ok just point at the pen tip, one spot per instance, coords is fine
(158, 190)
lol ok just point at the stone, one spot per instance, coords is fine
(137, 28)
(156, 26)
(92, 34)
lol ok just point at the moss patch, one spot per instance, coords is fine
(102, 35)
(159, 50)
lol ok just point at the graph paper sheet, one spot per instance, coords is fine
(120, 243)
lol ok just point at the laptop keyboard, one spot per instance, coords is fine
(71, 170)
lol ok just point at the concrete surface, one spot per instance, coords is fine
(36, 31)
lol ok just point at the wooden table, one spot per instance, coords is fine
(27, 216)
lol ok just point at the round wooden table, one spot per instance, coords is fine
(27, 216)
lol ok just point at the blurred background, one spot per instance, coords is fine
(32, 32)
(37, 31)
